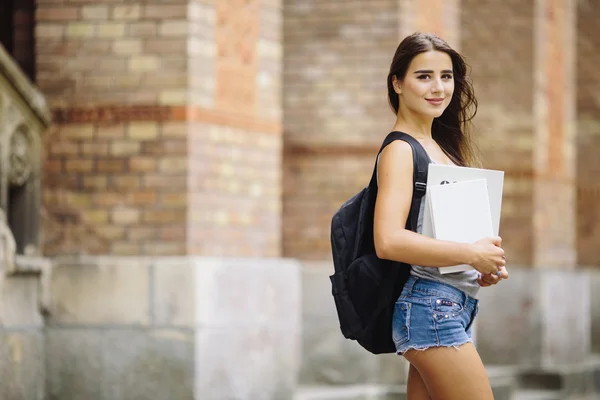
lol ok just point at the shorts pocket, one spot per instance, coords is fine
(401, 323)
(445, 309)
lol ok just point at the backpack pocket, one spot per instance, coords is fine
(365, 279)
(350, 323)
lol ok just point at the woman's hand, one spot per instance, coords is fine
(492, 279)
(488, 256)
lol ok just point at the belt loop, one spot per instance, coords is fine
(411, 283)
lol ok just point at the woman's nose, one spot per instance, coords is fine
(437, 86)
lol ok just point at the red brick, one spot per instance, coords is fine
(64, 148)
(110, 166)
(142, 164)
(163, 216)
(127, 182)
(110, 131)
(91, 149)
(142, 198)
(44, 14)
(95, 182)
(73, 166)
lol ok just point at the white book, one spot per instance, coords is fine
(460, 212)
(439, 173)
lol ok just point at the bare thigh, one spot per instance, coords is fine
(452, 374)
(415, 387)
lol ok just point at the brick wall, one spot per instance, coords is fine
(501, 58)
(23, 41)
(337, 56)
(335, 105)
(235, 151)
(522, 57)
(588, 134)
(145, 157)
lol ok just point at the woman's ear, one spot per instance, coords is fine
(396, 84)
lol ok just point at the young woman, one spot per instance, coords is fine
(429, 92)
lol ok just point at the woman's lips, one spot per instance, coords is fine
(435, 102)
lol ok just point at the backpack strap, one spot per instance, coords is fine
(420, 166)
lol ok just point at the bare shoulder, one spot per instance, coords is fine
(396, 158)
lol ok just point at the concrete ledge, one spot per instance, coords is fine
(22, 365)
(595, 307)
(569, 379)
(222, 328)
(351, 392)
(112, 364)
(539, 317)
(20, 303)
(100, 292)
(248, 328)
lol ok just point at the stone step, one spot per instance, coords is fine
(550, 395)
(532, 394)
(570, 380)
(351, 392)
(503, 380)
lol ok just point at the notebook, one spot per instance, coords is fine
(460, 212)
(438, 173)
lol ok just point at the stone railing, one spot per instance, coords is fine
(24, 118)
(24, 273)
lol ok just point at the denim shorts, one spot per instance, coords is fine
(432, 314)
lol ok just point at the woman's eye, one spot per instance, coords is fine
(423, 77)
(446, 76)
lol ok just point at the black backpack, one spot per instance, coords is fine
(365, 287)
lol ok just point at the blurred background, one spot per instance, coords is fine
(169, 170)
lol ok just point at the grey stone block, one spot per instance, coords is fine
(22, 365)
(245, 362)
(571, 380)
(537, 317)
(595, 306)
(20, 302)
(233, 292)
(226, 328)
(120, 364)
(74, 364)
(100, 291)
(173, 298)
(351, 392)
(328, 357)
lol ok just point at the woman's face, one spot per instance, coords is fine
(428, 85)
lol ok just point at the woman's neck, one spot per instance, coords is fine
(419, 128)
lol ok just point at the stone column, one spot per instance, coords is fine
(168, 131)
(167, 143)
(441, 17)
(588, 134)
(588, 143)
(524, 79)
(554, 204)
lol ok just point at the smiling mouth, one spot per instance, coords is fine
(435, 101)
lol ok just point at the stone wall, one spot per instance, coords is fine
(176, 328)
(22, 356)
(588, 134)
(335, 66)
(502, 60)
(336, 114)
(168, 134)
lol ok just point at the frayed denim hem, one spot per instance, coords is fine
(423, 348)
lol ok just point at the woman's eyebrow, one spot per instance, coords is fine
(429, 71)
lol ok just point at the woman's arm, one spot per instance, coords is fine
(392, 240)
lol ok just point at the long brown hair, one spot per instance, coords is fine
(451, 129)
